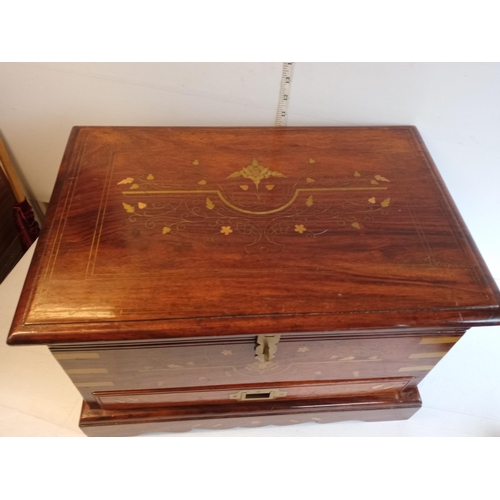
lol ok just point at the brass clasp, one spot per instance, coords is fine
(267, 346)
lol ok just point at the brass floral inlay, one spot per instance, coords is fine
(255, 172)
(292, 206)
(128, 180)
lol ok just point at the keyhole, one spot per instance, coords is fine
(266, 351)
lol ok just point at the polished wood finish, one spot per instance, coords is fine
(390, 406)
(200, 365)
(183, 267)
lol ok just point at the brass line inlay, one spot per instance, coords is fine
(86, 371)
(440, 340)
(76, 355)
(234, 207)
(416, 368)
(94, 384)
(427, 355)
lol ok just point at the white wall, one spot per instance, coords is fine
(455, 106)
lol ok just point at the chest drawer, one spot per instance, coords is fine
(110, 400)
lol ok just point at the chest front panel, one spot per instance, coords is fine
(317, 364)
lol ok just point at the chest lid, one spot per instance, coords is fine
(186, 232)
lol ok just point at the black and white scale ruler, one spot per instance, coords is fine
(286, 79)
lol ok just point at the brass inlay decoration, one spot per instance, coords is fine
(230, 207)
(256, 173)
(416, 368)
(94, 384)
(128, 208)
(76, 355)
(128, 180)
(427, 355)
(86, 371)
(258, 395)
(267, 346)
(440, 340)
(251, 212)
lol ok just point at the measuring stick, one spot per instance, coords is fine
(286, 79)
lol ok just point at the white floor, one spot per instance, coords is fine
(461, 395)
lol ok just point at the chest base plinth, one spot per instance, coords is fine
(368, 408)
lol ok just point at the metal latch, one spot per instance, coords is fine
(267, 346)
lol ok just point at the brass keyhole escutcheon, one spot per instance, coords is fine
(267, 346)
(258, 395)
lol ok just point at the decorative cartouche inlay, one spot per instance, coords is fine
(260, 203)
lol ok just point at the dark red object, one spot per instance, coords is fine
(219, 277)
(26, 224)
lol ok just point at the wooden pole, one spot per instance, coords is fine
(11, 173)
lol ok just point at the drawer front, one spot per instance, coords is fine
(249, 393)
(250, 362)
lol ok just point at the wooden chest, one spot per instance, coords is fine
(219, 277)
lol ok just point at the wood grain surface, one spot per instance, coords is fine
(157, 233)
